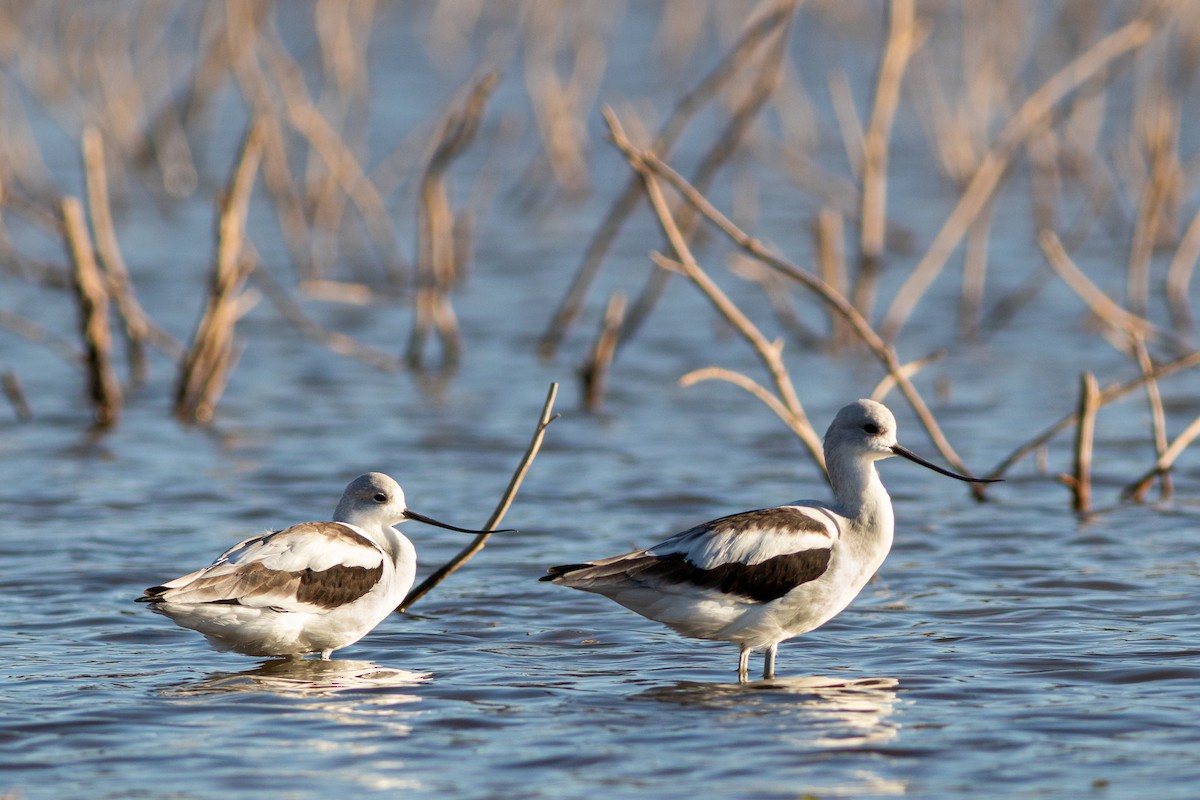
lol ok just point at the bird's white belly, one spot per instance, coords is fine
(270, 632)
(801, 610)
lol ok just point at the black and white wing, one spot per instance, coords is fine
(313, 566)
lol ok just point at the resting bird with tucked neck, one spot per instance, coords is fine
(761, 577)
(315, 587)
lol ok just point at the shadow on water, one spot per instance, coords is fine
(304, 678)
(832, 712)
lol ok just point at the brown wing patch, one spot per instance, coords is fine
(336, 586)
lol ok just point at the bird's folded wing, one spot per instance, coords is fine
(753, 537)
(758, 556)
(314, 565)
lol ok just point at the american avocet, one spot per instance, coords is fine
(311, 588)
(760, 577)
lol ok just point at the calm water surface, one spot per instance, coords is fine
(1009, 649)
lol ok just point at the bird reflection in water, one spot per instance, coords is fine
(834, 712)
(815, 714)
(302, 677)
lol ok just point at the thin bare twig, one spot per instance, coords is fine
(1107, 395)
(1166, 460)
(1027, 120)
(647, 161)
(502, 507)
(681, 115)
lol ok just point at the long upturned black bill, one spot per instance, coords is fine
(410, 514)
(911, 456)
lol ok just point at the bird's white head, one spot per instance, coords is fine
(370, 500)
(376, 499)
(863, 430)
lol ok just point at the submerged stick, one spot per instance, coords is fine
(594, 373)
(1080, 481)
(16, 396)
(139, 330)
(502, 507)
(205, 367)
(92, 296)
(1136, 490)
(1158, 417)
(436, 261)
(1107, 396)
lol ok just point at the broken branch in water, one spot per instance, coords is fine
(206, 365)
(502, 507)
(92, 297)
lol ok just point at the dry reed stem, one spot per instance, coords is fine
(91, 294)
(975, 266)
(647, 162)
(436, 261)
(769, 399)
(571, 306)
(1107, 395)
(558, 105)
(1080, 481)
(770, 353)
(1028, 120)
(16, 396)
(1150, 207)
(139, 329)
(885, 386)
(904, 37)
(342, 167)
(206, 365)
(535, 444)
(850, 126)
(1096, 300)
(723, 147)
(277, 171)
(1157, 415)
(594, 372)
(1179, 277)
(831, 264)
(1166, 460)
(1006, 307)
(775, 289)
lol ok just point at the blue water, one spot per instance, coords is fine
(1006, 649)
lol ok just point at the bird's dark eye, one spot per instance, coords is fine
(380, 497)
(871, 428)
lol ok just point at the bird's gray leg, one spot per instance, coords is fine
(744, 665)
(769, 662)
